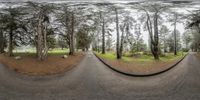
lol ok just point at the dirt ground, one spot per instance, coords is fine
(140, 67)
(29, 65)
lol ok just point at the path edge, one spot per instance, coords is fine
(140, 75)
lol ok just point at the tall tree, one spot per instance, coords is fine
(104, 19)
(2, 42)
(187, 39)
(14, 26)
(194, 25)
(175, 19)
(103, 32)
(126, 27)
(83, 38)
(164, 32)
(153, 12)
(72, 36)
(67, 19)
(2, 37)
(138, 36)
(117, 30)
(41, 20)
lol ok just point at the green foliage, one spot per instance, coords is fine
(83, 38)
(62, 42)
(51, 41)
(14, 24)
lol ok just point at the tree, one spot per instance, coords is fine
(83, 38)
(41, 26)
(109, 43)
(126, 27)
(186, 39)
(2, 36)
(194, 25)
(62, 42)
(103, 32)
(170, 41)
(164, 32)
(14, 26)
(67, 19)
(138, 37)
(72, 36)
(51, 41)
(176, 18)
(152, 12)
(117, 30)
(2, 42)
(195, 40)
(103, 20)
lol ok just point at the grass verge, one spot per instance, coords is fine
(143, 64)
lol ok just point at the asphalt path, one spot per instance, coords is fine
(92, 80)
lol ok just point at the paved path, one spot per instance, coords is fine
(91, 80)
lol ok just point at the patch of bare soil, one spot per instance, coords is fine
(29, 65)
(140, 68)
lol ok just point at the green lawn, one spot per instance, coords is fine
(141, 58)
(32, 52)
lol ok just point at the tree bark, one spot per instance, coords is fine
(103, 34)
(175, 44)
(41, 40)
(2, 44)
(122, 42)
(117, 30)
(10, 45)
(154, 39)
(72, 36)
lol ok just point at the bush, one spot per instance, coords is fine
(162, 55)
(185, 49)
(136, 55)
(148, 53)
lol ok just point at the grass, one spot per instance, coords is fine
(140, 63)
(32, 52)
(142, 58)
(58, 51)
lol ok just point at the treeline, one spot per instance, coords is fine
(41, 25)
(80, 25)
(148, 17)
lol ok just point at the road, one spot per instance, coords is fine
(92, 80)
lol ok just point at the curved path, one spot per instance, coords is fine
(91, 80)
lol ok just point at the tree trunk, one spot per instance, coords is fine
(165, 50)
(41, 40)
(98, 47)
(117, 30)
(103, 34)
(10, 45)
(175, 44)
(153, 39)
(122, 43)
(72, 37)
(156, 38)
(2, 44)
